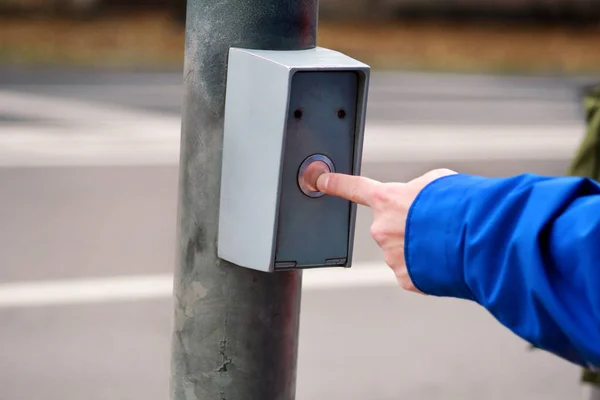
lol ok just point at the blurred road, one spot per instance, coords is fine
(88, 187)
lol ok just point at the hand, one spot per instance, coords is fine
(390, 203)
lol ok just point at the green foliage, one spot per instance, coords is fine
(587, 164)
(587, 160)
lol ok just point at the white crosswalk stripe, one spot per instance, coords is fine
(144, 287)
(76, 133)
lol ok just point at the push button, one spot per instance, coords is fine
(310, 170)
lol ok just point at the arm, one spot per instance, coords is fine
(526, 248)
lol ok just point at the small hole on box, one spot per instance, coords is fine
(342, 114)
(298, 114)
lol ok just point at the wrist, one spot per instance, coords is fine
(433, 236)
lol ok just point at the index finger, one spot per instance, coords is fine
(357, 189)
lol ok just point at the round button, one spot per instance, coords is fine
(309, 172)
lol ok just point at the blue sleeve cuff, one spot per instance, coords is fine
(433, 238)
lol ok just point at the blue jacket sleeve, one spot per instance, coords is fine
(527, 248)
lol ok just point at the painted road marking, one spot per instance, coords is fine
(76, 133)
(160, 286)
(157, 143)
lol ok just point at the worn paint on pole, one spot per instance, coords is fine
(235, 330)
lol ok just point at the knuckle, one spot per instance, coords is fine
(381, 194)
(405, 283)
(440, 172)
(392, 260)
(378, 233)
(404, 279)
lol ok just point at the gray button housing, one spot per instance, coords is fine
(283, 107)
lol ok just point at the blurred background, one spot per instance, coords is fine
(90, 97)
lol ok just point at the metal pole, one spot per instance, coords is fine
(235, 333)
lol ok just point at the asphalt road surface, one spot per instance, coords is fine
(88, 188)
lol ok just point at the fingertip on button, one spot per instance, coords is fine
(312, 174)
(310, 171)
(323, 181)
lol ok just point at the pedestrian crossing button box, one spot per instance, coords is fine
(288, 113)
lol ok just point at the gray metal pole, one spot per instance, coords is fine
(235, 330)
